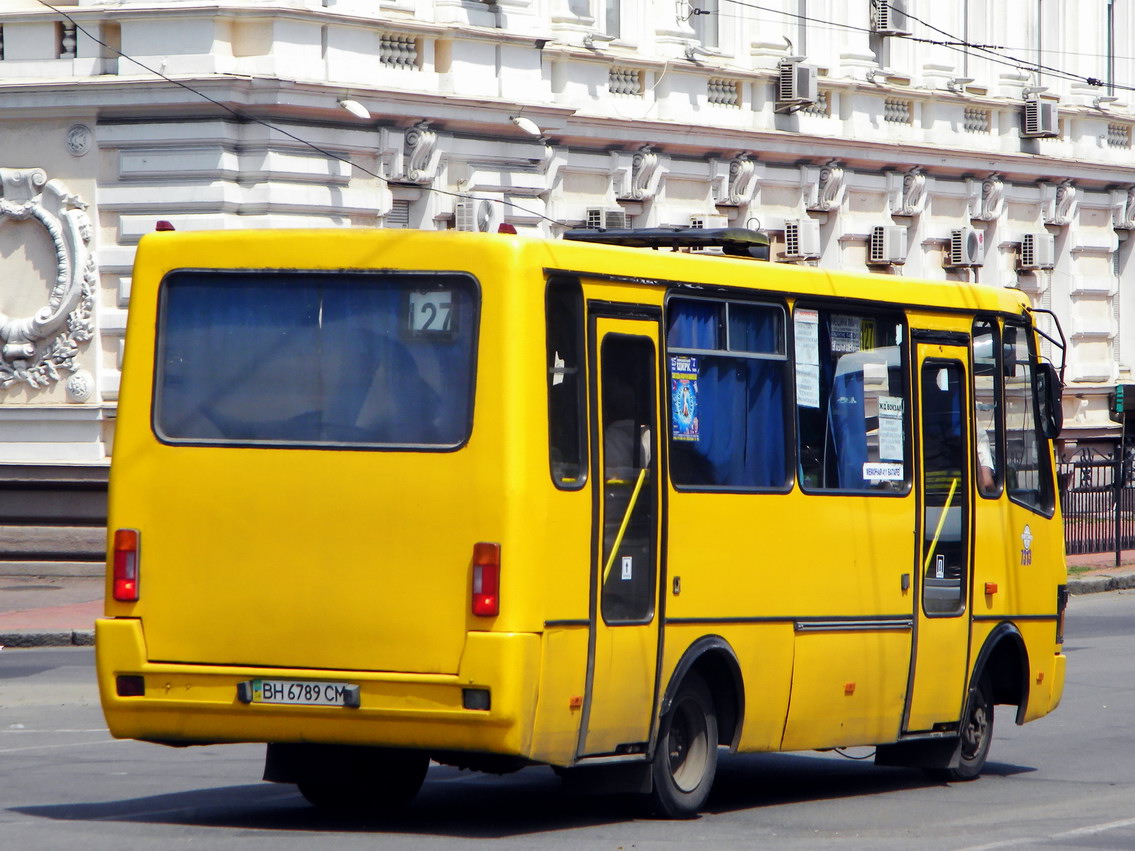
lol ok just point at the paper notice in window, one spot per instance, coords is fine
(807, 323)
(808, 385)
(877, 471)
(890, 428)
(890, 439)
(846, 333)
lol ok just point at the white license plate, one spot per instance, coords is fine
(305, 693)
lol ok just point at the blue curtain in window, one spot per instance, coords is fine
(694, 325)
(740, 403)
(847, 429)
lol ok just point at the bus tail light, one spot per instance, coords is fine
(126, 565)
(486, 579)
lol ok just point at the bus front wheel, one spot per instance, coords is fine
(685, 759)
(974, 737)
(387, 783)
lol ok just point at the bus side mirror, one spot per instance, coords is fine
(1050, 411)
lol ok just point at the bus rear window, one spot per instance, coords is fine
(370, 359)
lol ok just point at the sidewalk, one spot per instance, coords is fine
(53, 611)
(49, 611)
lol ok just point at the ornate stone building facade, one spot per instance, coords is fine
(955, 140)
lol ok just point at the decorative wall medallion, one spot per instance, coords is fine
(33, 349)
(79, 139)
(80, 386)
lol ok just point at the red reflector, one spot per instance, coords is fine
(126, 565)
(130, 686)
(486, 579)
(505, 227)
(164, 225)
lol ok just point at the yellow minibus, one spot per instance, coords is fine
(386, 497)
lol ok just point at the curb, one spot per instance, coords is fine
(48, 638)
(1096, 584)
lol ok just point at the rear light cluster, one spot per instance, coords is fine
(486, 579)
(126, 565)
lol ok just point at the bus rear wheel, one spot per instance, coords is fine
(685, 759)
(385, 784)
(974, 737)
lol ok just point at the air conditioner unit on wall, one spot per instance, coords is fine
(476, 215)
(967, 247)
(889, 18)
(887, 246)
(700, 220)
(801, 239)
(606, 218)
(796, 85)
(1040, 119)
(1038, 251)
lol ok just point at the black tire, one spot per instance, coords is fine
(685, 759)
(384, 784)
(974, 738)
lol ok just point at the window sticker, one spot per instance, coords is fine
(808, 385)
(878, 471)
(684, 397)
(846, 333)
(807, 323)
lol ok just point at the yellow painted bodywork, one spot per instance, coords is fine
(354, 566)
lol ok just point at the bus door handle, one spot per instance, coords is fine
(905, 581)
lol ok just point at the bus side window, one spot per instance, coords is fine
(1028, 459)
(567, 441)
(988, 422)
(851, 402)
(728, 367)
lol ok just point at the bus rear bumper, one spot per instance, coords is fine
(184, 704)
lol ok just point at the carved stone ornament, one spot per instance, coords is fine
(36, 348)
(644, 171)
(1123, 208)
(910, 196)
(742, 180)
(826, 193)
(989, 199)
(420, 147)
(1062, 202)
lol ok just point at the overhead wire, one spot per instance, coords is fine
(248, 116)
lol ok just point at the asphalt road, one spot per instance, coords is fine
(1066, 781)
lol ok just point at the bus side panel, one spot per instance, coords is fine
(562, 682)
(854, 692)
(764, 652)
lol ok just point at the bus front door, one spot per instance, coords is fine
(938, 687)
(623, 649)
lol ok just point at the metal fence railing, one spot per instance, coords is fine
(1097, 497)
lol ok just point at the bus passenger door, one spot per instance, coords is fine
(623, 648)
(938, 687)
